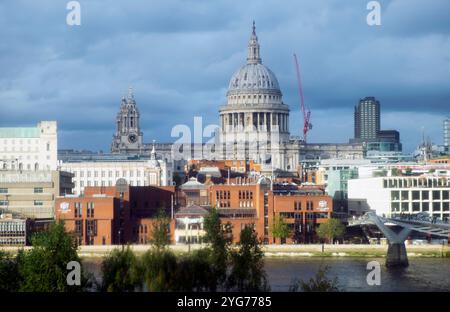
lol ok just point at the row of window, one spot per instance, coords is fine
(21, 166)
(420, 206)
(224, 195)
(36, 190)
(35, 203)
(109, 173)
(416, 182)
(275, 97)
(78, 209)
(111, 183)
(420, 195)
(245, 195)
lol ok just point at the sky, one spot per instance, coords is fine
(179, 56)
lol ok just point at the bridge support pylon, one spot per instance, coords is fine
(396, 255)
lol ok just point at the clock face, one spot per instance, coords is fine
(132, 138)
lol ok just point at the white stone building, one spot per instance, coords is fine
(29, 148)
(396, 194)
(107, 169)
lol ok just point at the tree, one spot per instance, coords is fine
(120, 271)
(161, 230)
(159, 267)
(247, 264)
(195, 272)
(396, 172)
(320, 283)
(219, 244)
(280, 228)
(331, 229)
(9, 273)
(44, 267)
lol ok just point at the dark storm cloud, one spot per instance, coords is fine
(179, 56)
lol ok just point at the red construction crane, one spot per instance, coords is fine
(306, 113)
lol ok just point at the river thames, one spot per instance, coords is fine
(423, 274)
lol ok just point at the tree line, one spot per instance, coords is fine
(219, 266)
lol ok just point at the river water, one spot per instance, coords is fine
(423, 274)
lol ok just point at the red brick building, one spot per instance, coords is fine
(104, 216)
(259, 204)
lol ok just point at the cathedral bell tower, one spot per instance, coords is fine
(128, 136)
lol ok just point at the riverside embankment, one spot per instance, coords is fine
(313, 250)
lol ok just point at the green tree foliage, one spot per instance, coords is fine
(219, 244)
(159, 270)
(395, 172)
(331, 229)
(120, 271)
(280, 228)
(195, 272)
(44, 267)
(247, 264)
(320, 283)
(9, 272)
(160, 231)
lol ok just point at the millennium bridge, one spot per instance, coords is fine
(421, 222)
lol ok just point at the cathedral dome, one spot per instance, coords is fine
(253, 77)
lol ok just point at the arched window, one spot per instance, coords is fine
(36, 166)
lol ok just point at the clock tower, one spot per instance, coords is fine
(128, 137)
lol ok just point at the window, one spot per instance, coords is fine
(415, 195)
(90, 210)
(425, 206)
(79, 227)
(91, 227)
(4, 203)
(395, 195)
(416, 206)
(38, 203)
(425, 195)
(3, 190)
(395, 207)
(445, 195)
(38, 190)
(437, 206)
(445, 206)
(405, 195)
(436, 195)
(405, 207)
(78, 210)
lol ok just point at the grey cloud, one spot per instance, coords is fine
(179, 56)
